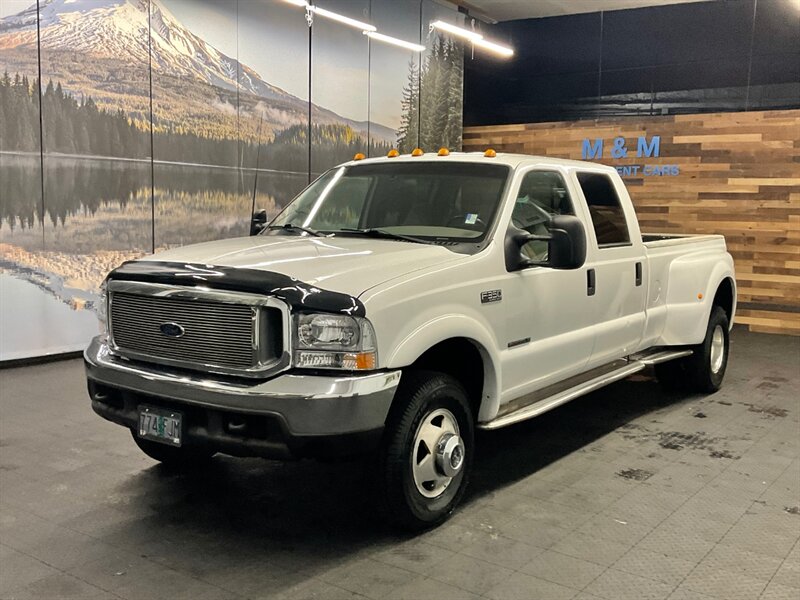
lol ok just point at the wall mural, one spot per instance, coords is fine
(225, 87)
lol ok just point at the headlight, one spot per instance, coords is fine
(324, 341)
(102, 308)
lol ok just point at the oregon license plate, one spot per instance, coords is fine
(160, 425)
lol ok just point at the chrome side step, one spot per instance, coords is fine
(548, 398)
(660, 356)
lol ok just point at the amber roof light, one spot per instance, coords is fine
(417, 152)
(443, 152)
(392, 153)
(490, 153)
(359, 156)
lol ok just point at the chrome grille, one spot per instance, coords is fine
(215, 335)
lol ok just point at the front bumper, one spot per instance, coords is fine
(290, 412)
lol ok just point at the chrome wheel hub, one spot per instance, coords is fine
(717, 349)
(438, 453)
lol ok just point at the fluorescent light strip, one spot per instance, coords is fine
(475, 37)
(492, 47)
(342, 19)
(392, 40)
(455, 30)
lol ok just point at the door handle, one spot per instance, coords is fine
(638, 273)
(590, 283)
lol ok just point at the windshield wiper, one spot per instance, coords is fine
(290, 227)
(382, 233)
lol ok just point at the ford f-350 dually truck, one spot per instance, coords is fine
(396, 305)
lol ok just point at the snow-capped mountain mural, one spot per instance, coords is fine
(107, 31)
(160, 123)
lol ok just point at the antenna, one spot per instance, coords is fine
(258, 156)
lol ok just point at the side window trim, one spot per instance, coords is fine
(566, 205)
(588, 206)
(541, 169)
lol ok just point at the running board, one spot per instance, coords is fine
(548, 398)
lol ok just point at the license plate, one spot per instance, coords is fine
(160, 425)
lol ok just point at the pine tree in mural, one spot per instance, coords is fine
(19, 114)
(432, 100)
(409, 121)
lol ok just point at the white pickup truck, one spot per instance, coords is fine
(397, 304)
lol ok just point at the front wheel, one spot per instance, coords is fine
(426, 453)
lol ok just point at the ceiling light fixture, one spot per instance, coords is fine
(455, 30)
(496, 48)
(322, 12)
(394, 41)
(474, 37)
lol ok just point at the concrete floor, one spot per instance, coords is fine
(627, 493)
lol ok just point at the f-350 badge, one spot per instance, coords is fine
(491, 296)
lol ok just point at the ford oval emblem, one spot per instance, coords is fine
(172, 330)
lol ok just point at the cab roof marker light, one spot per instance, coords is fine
(490, 153)
(417, 152)
(359, 156)
(459, 31)
(393, 153)
(443, 152)
(496, 48)
(322, 12)
(394, 41)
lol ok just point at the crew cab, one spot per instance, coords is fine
(396, 305)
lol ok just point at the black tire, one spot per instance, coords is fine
(699, 372)
(421, 394)
(172, 456)
(703, 374)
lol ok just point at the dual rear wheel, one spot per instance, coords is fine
(704, 369)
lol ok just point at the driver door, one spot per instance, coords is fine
(549, 314)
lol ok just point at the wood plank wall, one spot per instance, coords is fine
(739, 177)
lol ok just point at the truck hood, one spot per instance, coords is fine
(350, 265)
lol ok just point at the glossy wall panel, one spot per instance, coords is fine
(21, 209)
(339, 85)
(730, 55)
(168, 121)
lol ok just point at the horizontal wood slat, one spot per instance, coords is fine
(739, 177)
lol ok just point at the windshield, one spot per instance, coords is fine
(452, 201)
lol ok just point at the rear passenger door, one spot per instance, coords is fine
(615, 263)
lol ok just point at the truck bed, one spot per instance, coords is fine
(659, 240)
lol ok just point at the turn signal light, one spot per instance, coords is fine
(392, 153)
(359, 156)
(417, 152)
(361, 361)
(490, 153)
(443, 152)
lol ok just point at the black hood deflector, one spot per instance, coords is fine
(300, 296)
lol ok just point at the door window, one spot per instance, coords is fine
(605, 209)
(542, 195)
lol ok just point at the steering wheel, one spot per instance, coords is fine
(541, 217)
(460, 220)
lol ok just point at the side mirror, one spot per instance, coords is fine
(258, 222)
(566, 245)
